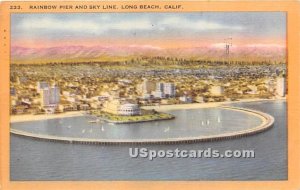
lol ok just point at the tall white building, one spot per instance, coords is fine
(45, 97)
(50, 97)
(164, 90)
(160, 86)
(281, 86)
(54, 95)
(159, 91)
(169, 89)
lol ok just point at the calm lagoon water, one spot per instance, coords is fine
(187, 123)
(41, 160)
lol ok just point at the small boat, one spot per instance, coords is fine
(83, 131)
(207, 122)
(202, 122)
(93, 121)
(167, 129)
(69, 127)
(219, 120)
(102, 128)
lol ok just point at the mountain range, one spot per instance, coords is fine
(257, 52)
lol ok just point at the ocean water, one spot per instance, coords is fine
(41, 160)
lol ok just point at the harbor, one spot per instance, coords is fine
(265, 122)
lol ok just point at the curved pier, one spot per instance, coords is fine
(267, 122)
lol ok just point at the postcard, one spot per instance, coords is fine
(133, 94)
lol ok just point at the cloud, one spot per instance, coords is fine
(55, 24)
(139, 24)
(178, 22)
(84, 26)
(100, 25)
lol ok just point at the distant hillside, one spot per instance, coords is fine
(113, 53)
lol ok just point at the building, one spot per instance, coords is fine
(158, 94)
(50, 98)
(112, 106)
(124, 82)
(115, 93)
(159, 90)
(146, 96)
(146, 87)
(186, 99)
(45, 97)
(129, 109)
(21, 80)
(217, 90)
(84, 107)
(100, 98)
(12, 91)
(67, 107)
(159, 87)
(164, 90)
(281, 86)
(42, 85)
(20, 109)
(119, 107)
(54, 95)
(169, 89)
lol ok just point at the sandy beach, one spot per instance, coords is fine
(203, 105)
(28, 117)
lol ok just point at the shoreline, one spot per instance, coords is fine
(27, 117)
(204, 105)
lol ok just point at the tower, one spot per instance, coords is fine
(228, 44)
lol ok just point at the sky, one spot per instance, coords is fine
(151, 30)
